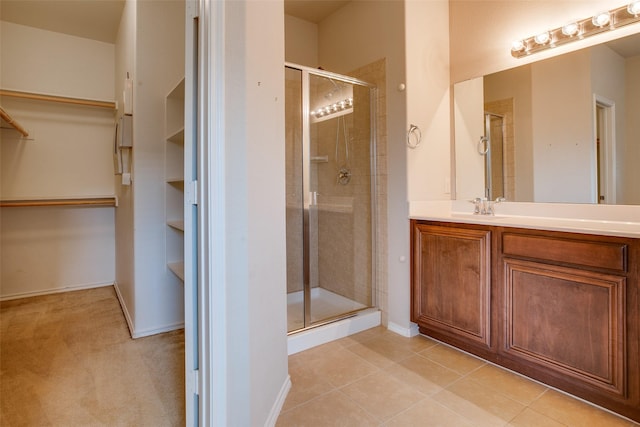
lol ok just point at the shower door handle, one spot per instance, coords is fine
(314, 198)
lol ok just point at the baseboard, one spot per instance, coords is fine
(409, 332)
(160, 330)
(123, 307)
(145, 332)
(54, 291)
(277, 405)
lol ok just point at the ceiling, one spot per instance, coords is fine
(627, 46)
(312, 10)
(100, 19)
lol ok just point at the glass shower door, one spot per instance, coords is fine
(330, 198)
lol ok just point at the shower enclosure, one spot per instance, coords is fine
(330, 196)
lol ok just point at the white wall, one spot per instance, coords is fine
(254, 233)
(468, 114)
(68, 155)
(563, 157)
(43, 61)
(301, 41)
(124, 268)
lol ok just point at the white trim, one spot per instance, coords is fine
(159, 330)
(277, 405)
(212, 273)
(69, 288)
(330, 332)
(609, 131)
(125, 310)
(409, 332)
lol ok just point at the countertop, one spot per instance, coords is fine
(622, 221)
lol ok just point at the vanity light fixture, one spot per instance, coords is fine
(345, 106)
(577, 30)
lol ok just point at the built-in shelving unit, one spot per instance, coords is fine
(174, 177)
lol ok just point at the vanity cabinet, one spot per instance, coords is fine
(451, 278)
(562, 308)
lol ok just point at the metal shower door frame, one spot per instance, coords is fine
(309, 199)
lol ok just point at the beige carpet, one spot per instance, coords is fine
(68, 360)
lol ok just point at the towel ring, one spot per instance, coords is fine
(414, 136)
(483, 145)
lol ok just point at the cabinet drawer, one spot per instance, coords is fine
(612, 256)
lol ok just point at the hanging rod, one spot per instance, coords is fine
(79, 201)
(7, 118)
(56, 98)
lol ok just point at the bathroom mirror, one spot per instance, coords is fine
(569, 128)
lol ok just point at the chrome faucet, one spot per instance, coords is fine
(482, 206)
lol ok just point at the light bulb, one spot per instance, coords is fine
(517, 46)
(542, 38)
(634, 8)
(601, 19)
(570, 29)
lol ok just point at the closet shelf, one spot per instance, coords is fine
(177, 137)
(57, 98)
(177, 268)
(17, 126)
(80, 201)
(176, 182)
(178, 225)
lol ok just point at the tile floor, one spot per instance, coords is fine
(378, 378)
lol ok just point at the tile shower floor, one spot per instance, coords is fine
(324, 305)
(378, 378)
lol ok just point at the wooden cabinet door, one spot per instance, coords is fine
(451, 279)
(567, 320)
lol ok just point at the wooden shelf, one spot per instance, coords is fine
(80, 201)
(61, 99)
(17, 126)
(177, 268)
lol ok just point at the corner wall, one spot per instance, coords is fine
(150, 47)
